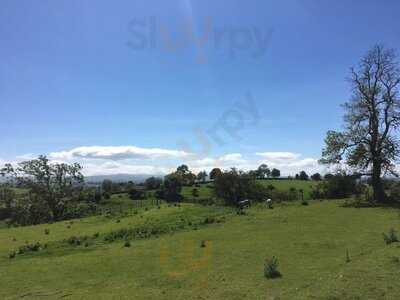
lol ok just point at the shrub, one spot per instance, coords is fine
(234, 186)
(304, 202)
(391, 237)
(394, 192)
(76, 240)
(206, 201)
(136, 194)
(29, 248)
(271, 268)
(337, 186)
(127, 244)
(153, 183)
(195, 192)
(347, 256)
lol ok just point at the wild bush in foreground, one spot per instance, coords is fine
(304, 202)
(29, 248)
(271, 268)
(76, 240)
(391, 237)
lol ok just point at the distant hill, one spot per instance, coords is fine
(136, 178)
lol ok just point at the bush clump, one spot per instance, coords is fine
(29, 248)
(391, 237)
(76, 240)
(271, 268)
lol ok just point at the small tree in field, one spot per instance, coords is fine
(303, 175)
(172, 187)
(369, 143)
(202, 176)
(152, 183)
(215, 173)
(263, 171)
(275, 173)
(54, 184)
(316, 177)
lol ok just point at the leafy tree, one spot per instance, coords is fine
(215, 173)
(195, 192)
(316, 177)
(275, 173)
(234, 186)
(186, 177)
(369, 143)
(7, 196)
(303, 175)
(183, 169)
(202, 176)
(54, 184)
(337, 186)
(172, 187)
(97, 196)
(263, 171)
(107, 186)
(136, 194)
(153, 183)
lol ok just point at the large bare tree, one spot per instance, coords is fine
(369, 143)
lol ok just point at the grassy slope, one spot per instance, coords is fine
(285, 185)
(309, 241)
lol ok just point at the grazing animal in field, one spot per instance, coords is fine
(244, 204)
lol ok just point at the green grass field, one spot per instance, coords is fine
(285, 185)
(310, 243)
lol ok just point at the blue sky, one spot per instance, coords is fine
(101, 75)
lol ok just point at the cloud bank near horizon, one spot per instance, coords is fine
(112, 160)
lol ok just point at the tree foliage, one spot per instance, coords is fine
(215, 173)
(49, 185)
(275, 173)
(368, 142)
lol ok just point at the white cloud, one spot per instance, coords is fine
(110, 160)
(114, 168)
(224, 162)
(290, 163)
(279, 156)
(233, 157)
(118, 153)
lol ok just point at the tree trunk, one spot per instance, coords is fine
(377, 186)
